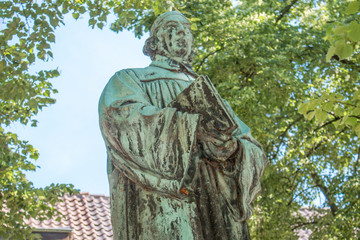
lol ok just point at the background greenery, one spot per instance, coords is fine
(289, 68)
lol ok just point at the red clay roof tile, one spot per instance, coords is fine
(87, 215)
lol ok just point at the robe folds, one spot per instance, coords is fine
(161, 185)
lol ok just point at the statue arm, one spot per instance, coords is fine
(243, 166)
(150, 146)
(250, 163)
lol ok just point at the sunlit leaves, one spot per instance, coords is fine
(344, 37)
(354, 31)
(26, 36)
(353, 7)
(334, 107)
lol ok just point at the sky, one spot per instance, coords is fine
(68, 135)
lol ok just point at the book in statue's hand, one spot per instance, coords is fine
(203, 98)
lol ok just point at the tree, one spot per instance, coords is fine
(268, 59)
(26, 34)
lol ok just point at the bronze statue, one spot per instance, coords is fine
(172, 177)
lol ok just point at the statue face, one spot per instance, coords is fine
(176, 37)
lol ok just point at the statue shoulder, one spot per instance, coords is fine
(140, 74)
(151, 73)
(126, 82)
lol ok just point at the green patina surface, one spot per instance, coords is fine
(170, 176)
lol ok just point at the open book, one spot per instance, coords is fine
(203, 98)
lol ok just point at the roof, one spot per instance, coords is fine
(86, 216)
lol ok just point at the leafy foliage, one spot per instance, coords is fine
(268, 58)
(344, 36)
(287, 67)
(26, 35)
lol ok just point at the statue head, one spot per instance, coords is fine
(170, 36)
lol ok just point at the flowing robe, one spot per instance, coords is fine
(161, 185)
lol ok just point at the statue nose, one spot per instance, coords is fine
(182, 33)
(181, 29)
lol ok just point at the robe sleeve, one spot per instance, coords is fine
(250, 163)
(152, 147)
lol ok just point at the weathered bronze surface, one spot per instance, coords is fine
(171, 176)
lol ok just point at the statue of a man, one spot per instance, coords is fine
(170, 177)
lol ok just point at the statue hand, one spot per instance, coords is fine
(220, 152)
(207, 133)
(216, 145)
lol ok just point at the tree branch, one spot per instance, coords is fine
(206, 57)
(356, 163)
(294, 196)
(285, 10)
(303, 224)
(282, 136)
(354, 116)
(344, 61)
(327, 123)
(319, 182)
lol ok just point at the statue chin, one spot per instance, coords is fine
(177, 53)
(180, 55)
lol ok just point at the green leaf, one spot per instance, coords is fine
(354, 31)
(303, 108)
(337, 123)
(314, 103)
(92, 22)
(356, 111)
(356, 128)
(51, 37)
(76, 15)
(34, 123)
(31, 58)
(339, 111)
(54, 22)
(344, 50)
(340, 30)
(337, 96)
(310, 115)
(327, 106)
(102, 18)
(352, 8)
(193, 27)
(357, 95)
(330, 53)
(100, 25)
(82, 9)
(351, 121)
(320, 115)
(344, 119)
